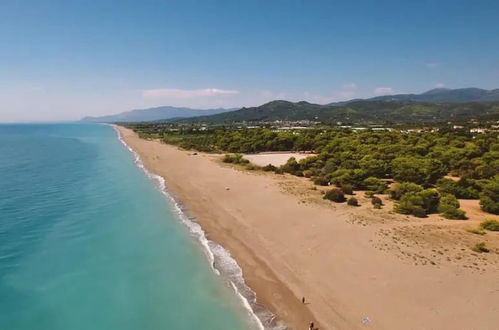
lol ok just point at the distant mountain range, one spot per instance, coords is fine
(153, 114)
(442, 95)
(362, 111)
(434, 105)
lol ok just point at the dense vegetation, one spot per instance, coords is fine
(431, 170)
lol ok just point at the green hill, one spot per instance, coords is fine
(362, 111)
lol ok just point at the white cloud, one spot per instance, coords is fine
(432, 65)
(176, 93)
(439, 85)
(383, 90)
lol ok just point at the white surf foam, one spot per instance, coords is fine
(221, 261)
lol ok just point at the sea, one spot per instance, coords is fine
(89, 240)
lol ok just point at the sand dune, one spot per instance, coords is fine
(358, 267)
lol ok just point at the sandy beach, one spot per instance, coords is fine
(274, 158)
(357, 267)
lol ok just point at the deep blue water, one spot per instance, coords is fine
(88, 242)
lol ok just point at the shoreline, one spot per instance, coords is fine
(215, 252)
(357, 267)
(244, 258)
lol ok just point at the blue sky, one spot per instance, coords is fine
(60, 60)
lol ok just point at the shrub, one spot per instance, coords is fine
(369, 194)
(376, 185)
(403, 188)
(269, 168)
(335, 195)
(235, 159)
(489, 198)
(480, 247)
(409, 202)
(291, 166)
(448, 200)
(347, 189)
(376, 201)
(354, 177)
(352, 201)
(449, 207)
(232, 158)
(464, 188)
(454, 214)
(308, 173)
(478, 231)
(252, 167)
(492, 225)
(321, 181)
(431, 198)
(419, 212)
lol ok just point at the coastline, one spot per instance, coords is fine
(252, 287)
(220, 260)
(289, 247)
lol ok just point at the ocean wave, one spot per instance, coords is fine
(220, 260)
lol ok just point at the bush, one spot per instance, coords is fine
(489, 198)
(449, 207)
(308, 173)
(347, 189)
(354, 177)
(235, 159)
(418, 203)
(419, 212)
(369, 194)
(376, 185)
(409, 202)
(376, 201)
(448, 200)
(291, 166)
(321, 181)
(252, 167)
(269, 168)
(478, 231)
(480, 247)
(335, 195)
(492, 225)
(431, 199)
(455, 214)
(403, 188)
(352, 201)
(464, 188)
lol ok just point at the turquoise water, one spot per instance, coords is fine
(88, 242)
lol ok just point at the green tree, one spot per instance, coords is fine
(335, 195)
(489, 198)
(411, 203)
(403, 188)
(449, 208)
(418, 170)
(376, 185)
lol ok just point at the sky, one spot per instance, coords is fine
(62, 60)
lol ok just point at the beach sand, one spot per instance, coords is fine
(274, 158)
(357, 267)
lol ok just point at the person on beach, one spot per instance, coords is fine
(303, 300)
(311, 327)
